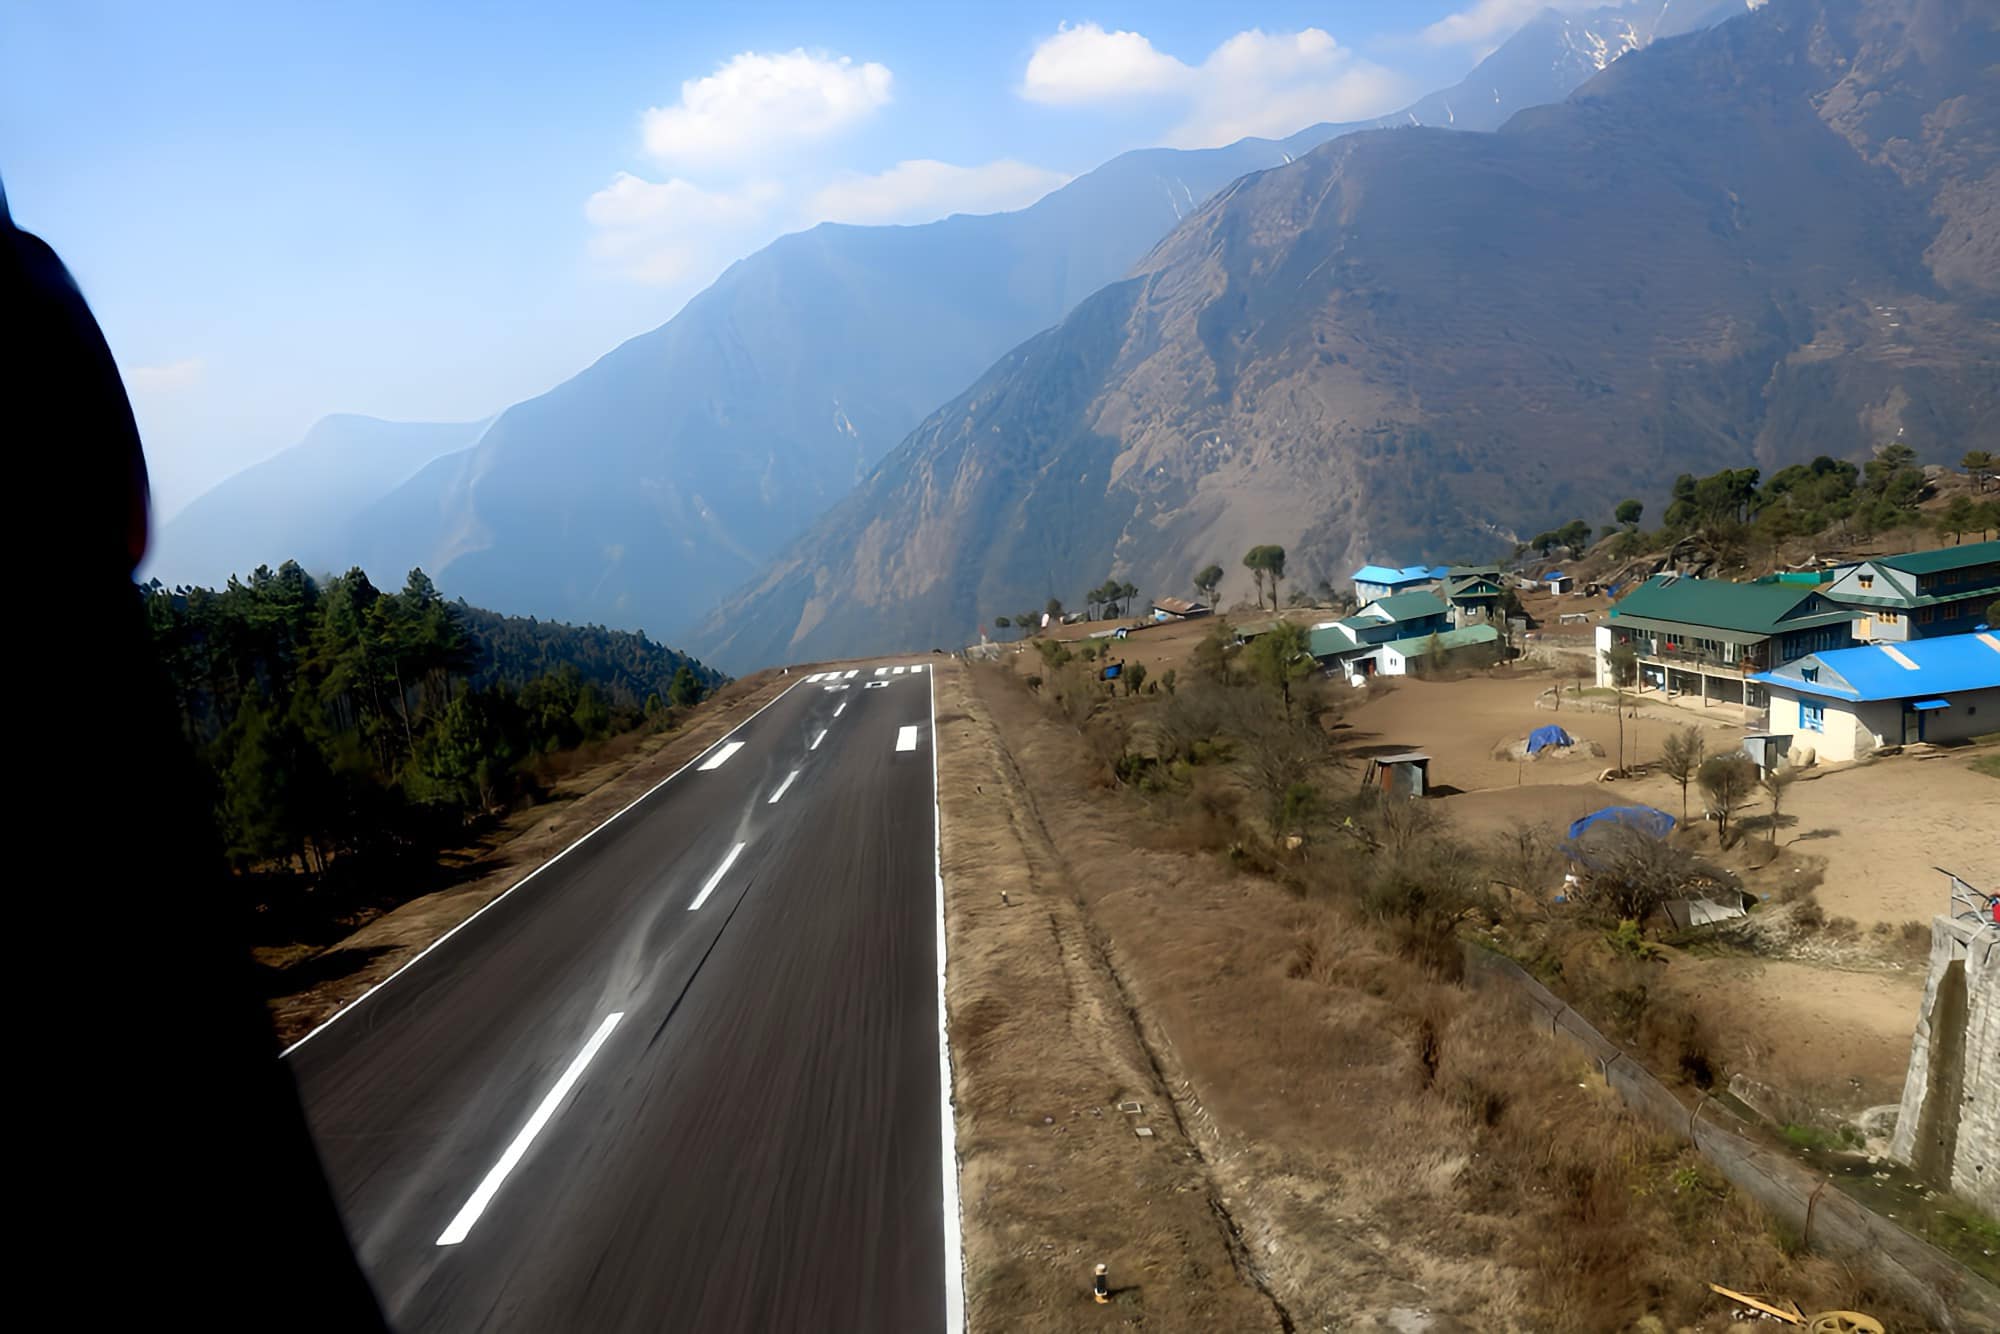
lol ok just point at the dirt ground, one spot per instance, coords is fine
(1279, 1056)
(1881, 827)
(1461, 723)
(343, 971)
(1055, 1177)
(1886, 825)
(1837, 1037)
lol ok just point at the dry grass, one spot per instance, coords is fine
(1386, 1142)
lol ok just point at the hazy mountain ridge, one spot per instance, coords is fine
(643, 489)
(1756, 243)
(298, 503)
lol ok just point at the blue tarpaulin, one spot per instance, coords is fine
(1547, 736)
(1645, 819)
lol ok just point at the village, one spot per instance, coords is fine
(1852, 934)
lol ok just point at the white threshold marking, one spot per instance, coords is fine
(716, 879)
(881, 671)
(816, 740)
(916, 667)
(461, 1226)
(781, 788)
(721, 757)
(852, 674)
(842, 709)
(508, 892)
(906, 738)
(898, 672)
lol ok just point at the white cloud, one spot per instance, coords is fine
(1084, 63)
(166, 379)
(673, 231)
(923, 189)
(1255, 83)
(1487, 23)
(1275, 84)
(755, 102)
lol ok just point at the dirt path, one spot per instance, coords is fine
(345, 970)
(1055, 1176)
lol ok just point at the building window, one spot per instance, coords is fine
(1867, 582)
(1812, 717)
(1888, 617)
(1810, 673)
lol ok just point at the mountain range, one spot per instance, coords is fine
(650, 485)
(300, 504)
(1771, 239)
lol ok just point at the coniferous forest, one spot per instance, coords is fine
(343, 728)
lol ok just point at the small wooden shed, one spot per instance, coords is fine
(1405, 774)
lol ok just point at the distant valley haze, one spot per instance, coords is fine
(942, 349)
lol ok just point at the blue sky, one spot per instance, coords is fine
(429, 211)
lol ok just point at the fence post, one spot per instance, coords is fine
(1695, 1113)
(1812, 1203)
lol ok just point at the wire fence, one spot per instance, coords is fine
(1828, 1220)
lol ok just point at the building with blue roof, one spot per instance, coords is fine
(1844, 703)
(1382, 581)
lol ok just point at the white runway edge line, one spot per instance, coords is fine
(461, 1226)
(789, 779)
(720, 872)
(816, 740)
(418, 958)
(906, 738)
(954, 1245)
(721, 757)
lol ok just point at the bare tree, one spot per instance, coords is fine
(1621, 663)
(1274, 752)
(1528, 858)
(1727, 781)
(1634, 875)
(1776, 779)
(1681, 755)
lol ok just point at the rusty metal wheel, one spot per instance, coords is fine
(1843, 1322)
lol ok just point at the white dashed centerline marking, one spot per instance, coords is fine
(461, 1226)
(721, 757)
(816, 740)
(781, 788)
(716, 879)
(842, 709)
(906, 738)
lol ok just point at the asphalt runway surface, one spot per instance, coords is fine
(688, 1075)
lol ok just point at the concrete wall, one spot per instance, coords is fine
(1854, 730)
(1949, 1127)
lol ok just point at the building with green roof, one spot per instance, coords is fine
(1920, 594)
(1707, 636)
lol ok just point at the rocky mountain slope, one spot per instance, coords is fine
(1765, 241)
(644, 489)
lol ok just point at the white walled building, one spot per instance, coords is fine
(1844, 703)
